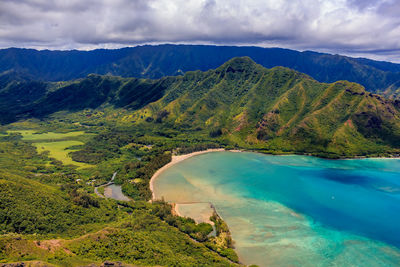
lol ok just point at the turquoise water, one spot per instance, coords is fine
(297, 210)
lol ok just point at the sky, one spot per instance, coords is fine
(361, 28)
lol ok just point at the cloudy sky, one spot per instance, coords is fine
(369, 28)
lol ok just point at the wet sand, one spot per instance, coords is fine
(200, 212)
(175, 160)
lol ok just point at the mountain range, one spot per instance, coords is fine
(271, 109)
(279, 109)
(169, 60)
(85, 108)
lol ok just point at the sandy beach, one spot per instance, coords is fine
(200, 212)
(175, 160)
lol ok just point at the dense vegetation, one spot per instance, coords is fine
(165, 60)
(141, 239)
(30, 201)
(279, 110)
(48, 209)
(43, 210)
(41, 199)
(273, 110)
(39, 99)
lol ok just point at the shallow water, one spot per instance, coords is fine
(200, 212)
(115, 192)
(297, 210)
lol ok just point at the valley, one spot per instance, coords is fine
(209, 133)
(62, 141)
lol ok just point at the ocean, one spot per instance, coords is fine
(296, 210)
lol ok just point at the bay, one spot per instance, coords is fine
(296, 210)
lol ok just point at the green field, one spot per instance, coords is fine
(49, 212)
(56, 143)
(59, 150)
(32, 135)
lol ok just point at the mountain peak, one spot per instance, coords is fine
(238, 64)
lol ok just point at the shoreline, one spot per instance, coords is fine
(175, 160)
(204, 214)
(179, 158)
(175, 206)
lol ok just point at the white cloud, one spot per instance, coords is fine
(342, 26)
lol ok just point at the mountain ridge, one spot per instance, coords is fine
(169, 60)
(134, 125)
(277, 109)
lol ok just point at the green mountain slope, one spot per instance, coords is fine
(275, 109)
(29, 206)
(280, 109)
(25, 98)
(165, 60)
(134, 124)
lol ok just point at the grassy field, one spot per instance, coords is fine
(56, 143)
(32, 135)
(59, 150)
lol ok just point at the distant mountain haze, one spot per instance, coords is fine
(168, 60)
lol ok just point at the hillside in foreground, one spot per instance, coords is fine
(50, 216)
